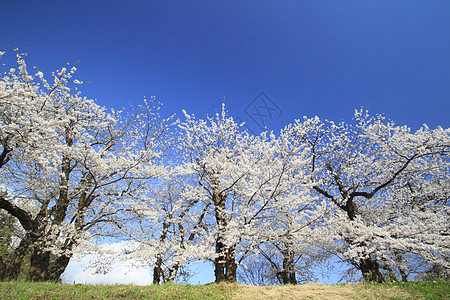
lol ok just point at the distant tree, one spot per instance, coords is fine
(257, 271)
(165, 225)
(434, 272)
(294, 248)
(274, 266)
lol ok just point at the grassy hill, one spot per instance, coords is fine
(30, 290)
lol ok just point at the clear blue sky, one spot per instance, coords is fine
(322, 58)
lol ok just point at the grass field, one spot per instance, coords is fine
(30, 290)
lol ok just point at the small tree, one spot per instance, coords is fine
(166, 221)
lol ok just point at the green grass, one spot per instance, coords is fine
(45, 290)
(427, 290)
(396, 290)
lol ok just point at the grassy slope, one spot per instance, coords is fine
(425, 290)
(27, 290)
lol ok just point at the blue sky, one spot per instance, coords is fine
(310, 58)
(322, 58)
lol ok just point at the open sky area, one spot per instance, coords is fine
(271, 62)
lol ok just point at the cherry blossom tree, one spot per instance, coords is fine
(389, 187)
(166, 221)
(68, 163)
(244, 180)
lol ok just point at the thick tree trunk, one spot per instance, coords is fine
(221, 249)
(231, 266)
(371, 270)
(156, 274)
(58, 267)
(287, 274)
(219, 271)
(39, 264)
(225, 266)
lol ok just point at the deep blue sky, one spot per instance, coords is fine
(322, 58)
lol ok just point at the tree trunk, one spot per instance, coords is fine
(219, 261)
(221, 249)
(231, 266)
(225, 263)
(2, 269)
(290, 271)
(157, 271)
(39, 264)
(287, 275)
(370, 270)
(403, 275)
(225, 266)
(58, 267)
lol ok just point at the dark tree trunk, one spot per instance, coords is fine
(39, 264)
(292, 278)
(219, 261)
(58, 267)
(287, 275)
(225, 263)
(156, 275)
(283, 276)
(219, 271)
(157, 271)
(225, 266)
(371, 270)
(2, 269)
(231, 266)
(403, 275)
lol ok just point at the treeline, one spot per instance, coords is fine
(267, 208)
